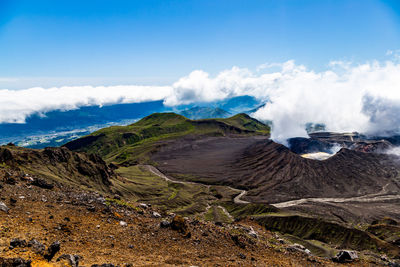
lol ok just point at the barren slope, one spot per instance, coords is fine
(272, 173)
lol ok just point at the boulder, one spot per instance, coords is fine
(143, 205)
(14, 262)
(52, 250)
(16, 242)
(165, 224)
(344, 256)
(42, 183)
(3, 207)
(37, 247)
(179, 224)
(252, 233)
(71, 260)
(156, 214)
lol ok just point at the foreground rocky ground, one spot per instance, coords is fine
(42, 225)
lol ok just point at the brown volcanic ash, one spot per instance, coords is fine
(280, 174)
(272, 173)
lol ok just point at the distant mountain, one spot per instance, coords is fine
(56, 127)
(84, 119)
(239, 104)
(142, 137)
(197, 113)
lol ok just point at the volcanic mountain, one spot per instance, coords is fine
(272, 173)
(135, 184)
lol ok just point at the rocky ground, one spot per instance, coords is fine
(44, 225)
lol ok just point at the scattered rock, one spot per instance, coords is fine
(52, 250)
(165, 224)
(179, 224)
(10, 180)
(156, 214)
(238, 242)
(36, 246)
(14, 262)
(13, 200)
(218, 223)
(72, 260)
(26, 177)
(42, 183)
(242, 256)
(252, 233)
(345, 256)
(144, 206)
(91, 208)
(298, 248)
(16, 242)
(123, 224)
(3, 207)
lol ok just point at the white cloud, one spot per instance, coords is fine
(346, 97)
(17, 105)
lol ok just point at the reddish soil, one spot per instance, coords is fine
(86, 226)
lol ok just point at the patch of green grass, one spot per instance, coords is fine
(217, 214)
(173, 195)
(138, 184)
(122, 203)
(316, 247)
(309, 228)
(243, 210)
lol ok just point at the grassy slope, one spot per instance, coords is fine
(138, 184)
(132, 144)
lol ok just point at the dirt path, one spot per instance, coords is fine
(157, 172)
(376, 197)
(226, 213)
(237, 199)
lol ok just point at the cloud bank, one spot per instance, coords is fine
(345, 97)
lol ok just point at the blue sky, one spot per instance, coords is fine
(46, 43)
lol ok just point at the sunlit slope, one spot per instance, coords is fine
(133, 143)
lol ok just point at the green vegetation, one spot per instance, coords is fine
(245, 210)
(330, 233)
(132, 144)
(217, 214)
(138, 184)
(316, 247)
